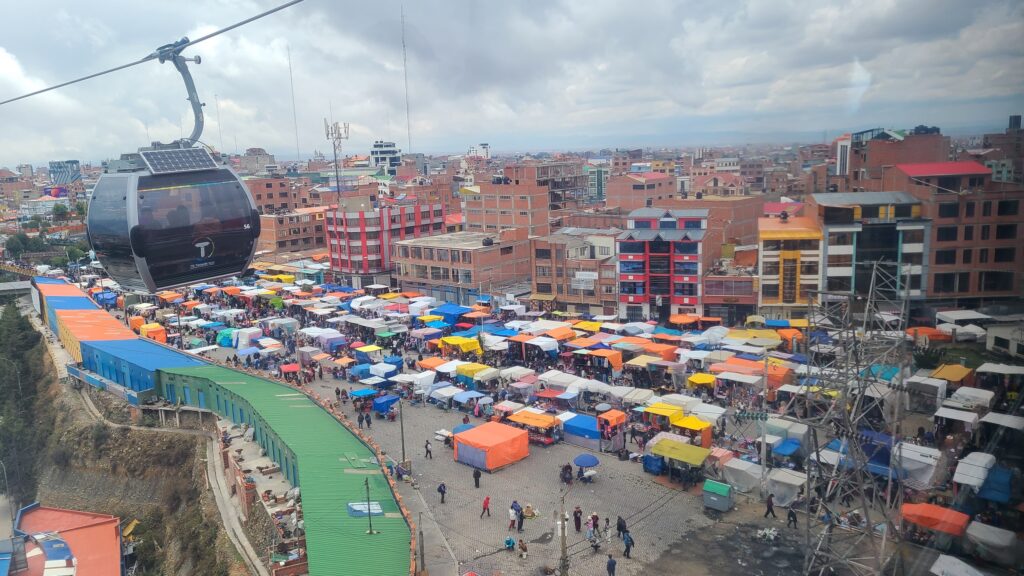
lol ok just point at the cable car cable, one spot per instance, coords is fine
(161, 53)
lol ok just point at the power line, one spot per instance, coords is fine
(159, 53)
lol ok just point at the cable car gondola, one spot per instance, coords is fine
(170, 215)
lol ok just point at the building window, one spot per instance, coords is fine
(869, 211)
(632, 288)
(667, 224)
(455, 256)
(684, 289)
(770, 269)
(542, 253)
(465, 276)
(913, 236)
(969, 210)
(985, 231)
(983, 256)
(545, 271)
(467, 257)
(442, 255)
(692, 225)
(428, 253)
(770, 290)
(604, 251)
(968, 233)
(417, 252)
(684, 268)
(945, 256)
(968, 256)
(1002, 343)
(631, 247)
(632, 267)
(808, 268)
(506, 250)
(544, 288)
(1007, 208)
(945, 282)
(840, 260)
(687, 248)
(840, 238)
(949, 210)
(986, 209)
(642, 224)
(1006, 232)
(995, 281)
(840, 284)
(946, 234)
(1003, 255)
(963, 282)
(904, 211)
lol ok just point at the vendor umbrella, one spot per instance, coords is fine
(357, 344)
(601, 408)
(288, 368)
(586, 461)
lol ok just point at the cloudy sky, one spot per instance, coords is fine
(519, 75)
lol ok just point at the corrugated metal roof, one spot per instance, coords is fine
(145, 354)
(321, 446)
(662, 213)
(841, 199)
(963, 168)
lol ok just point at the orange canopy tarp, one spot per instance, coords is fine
(232, 290)
(561, 333)
(633, 340)
(683, 318)
(614, 357)
(665, 351)
(411, 294)
(431, 363)
(191, 304)
(933, 334)
(344, 361)
(788, 334)
(212, 290)
(751, 364)
(534, 419)
(136, 322)
(612, 417)
(668, 337)
(583, 342)
(522, 338)
(936, 518)
(719, 367)
(475, 314)
(491, 446)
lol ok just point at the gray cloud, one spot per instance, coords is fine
(518, 75)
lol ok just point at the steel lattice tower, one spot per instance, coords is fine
(850, 401)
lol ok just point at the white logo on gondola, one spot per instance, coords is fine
(205, 246)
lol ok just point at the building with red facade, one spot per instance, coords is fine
(661, 262)
(361, 233)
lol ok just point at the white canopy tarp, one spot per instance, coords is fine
(1005, 369)
(685, 355)
(743, 476)
(486, 375)
(708, 412)
(973, 469)
(638, 396)
(993, 544)
(381, 369)
(1006, 420)
(952, 566)
(972, 398)
(541, 326)
(544, 343)
(954, 316)
(741, 378)
(961, 415)
(450, 367)
(785, 484)
(202, 349)
(918, 462)
(515, 372)
(557, 379)
(445, 393)
(687, 403)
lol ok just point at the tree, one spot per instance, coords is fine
(14, 246)
(81, 208)
(74, 254)
(60, 212)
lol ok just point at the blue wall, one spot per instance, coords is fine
(132, 363)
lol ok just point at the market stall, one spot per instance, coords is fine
(544, 429)
(491, 446)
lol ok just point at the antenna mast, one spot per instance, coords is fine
(335, 133)
(405, 71)
(295, 117)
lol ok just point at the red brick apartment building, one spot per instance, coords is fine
(277, 193)
(565, 182)
(977, 241)
(361, 234)
(293, 230)
(501, 203)
(640, 190)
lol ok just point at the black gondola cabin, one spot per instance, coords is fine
(180, 219)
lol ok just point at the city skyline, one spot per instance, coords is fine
(617, 76)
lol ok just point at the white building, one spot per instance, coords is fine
(1006, 340)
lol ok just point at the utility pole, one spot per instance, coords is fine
(764, 430)
(369, 511)
(335, 133)
(423, 553)
(563, 560)
(401, 425)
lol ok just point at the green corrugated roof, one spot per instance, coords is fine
(336, 542)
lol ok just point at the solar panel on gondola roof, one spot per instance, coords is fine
(178, 160)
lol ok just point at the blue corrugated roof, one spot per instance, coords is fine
(70, 303)
(47, 280)
(5, 564)
(145, 354)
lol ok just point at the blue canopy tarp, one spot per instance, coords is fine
(463, 397)
(363, 393)
(583, 425)
(462, 428)
(776, 323)
(383, 403)
(105, 297)
(361, 370)
(787, 447)
(439, 325)
(881, 371)
(751, 357)
(248, 351)
(567, 396)
(395, 361)
(819, 337)
(997, 485)
(483, 298)
(798, 358)
(212, 325)
(451, 312)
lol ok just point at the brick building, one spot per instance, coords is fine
(276, 193)
(461, 266)
(976, 238)
(639, 190)
(361, 234)
(565, 182)
(719, 184)
(661, 262)
(863, 157)
(1011, 143)
(574, 270)
(299, 229)
(503, 203)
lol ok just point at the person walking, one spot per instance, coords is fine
(770, 506)
(360, 420)
(620, 526)
(368, 419)
(520, 517)
(428, 454)
(577, 518)
(596, 522)
(442, 490)
(791, 518)
(512, 516)
(590, 529)
(611, 565)
(487, 507)
(476, 477)
(627, 541)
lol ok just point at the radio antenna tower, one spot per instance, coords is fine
(855, 404)
(335, 133)
(405, 71)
